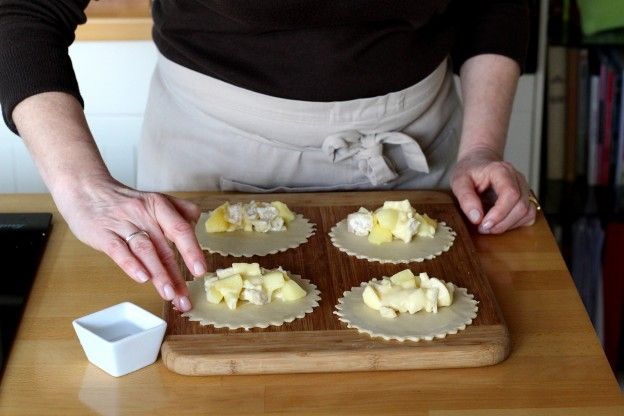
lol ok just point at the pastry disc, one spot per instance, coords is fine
(396, 251)
(247, 315)
(241, 243)
(422, 325)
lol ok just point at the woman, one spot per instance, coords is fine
(280, 95)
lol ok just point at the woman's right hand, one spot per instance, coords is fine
(102, 213)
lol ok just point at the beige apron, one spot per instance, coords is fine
(200, 133)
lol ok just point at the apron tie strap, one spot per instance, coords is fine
(367, 150)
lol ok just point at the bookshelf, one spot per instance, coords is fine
(582, 159)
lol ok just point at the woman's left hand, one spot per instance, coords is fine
(482, 170)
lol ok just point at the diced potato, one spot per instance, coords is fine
(379, 235)
(273, 281)
(216, 222)
(427, 226)
(402, 276)
(402, 230)
(247, 269)
(396, 298)
(231, 300)
(252, 280)
(284, 212)
(445, 297)
(387, 312)
(371, 298)
(213, 295)
(221, 273)
(403, 206)
(416, 301)
(292, 291)
(387, 218)
(230, 284)
(423, 279)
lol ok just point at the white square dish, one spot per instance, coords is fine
(120, 339)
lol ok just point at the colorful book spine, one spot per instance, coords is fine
(593, 130)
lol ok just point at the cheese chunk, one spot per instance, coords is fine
(249, 282)
(394, 220)
(360, 223)
(255, 216)
(284, 211)
(403, 292)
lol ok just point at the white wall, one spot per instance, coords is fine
(114, 79)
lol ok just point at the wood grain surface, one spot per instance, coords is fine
(319, 341)
(556, 365)
(117, 20)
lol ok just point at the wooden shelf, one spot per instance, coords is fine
(117, 20)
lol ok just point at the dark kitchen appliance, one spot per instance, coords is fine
(22, 241)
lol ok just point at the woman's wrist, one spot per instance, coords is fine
(479, 150)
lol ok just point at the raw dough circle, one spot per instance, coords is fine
(250, 243)
(352, 310)
(396, 251)
(247, 315)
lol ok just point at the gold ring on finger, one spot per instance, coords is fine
(534, 201)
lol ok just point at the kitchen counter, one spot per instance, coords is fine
(556, 364)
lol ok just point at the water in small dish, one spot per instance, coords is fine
(118, 330)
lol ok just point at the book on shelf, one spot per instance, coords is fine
(593, 131)
(556, 108)
(618, 175)
(585, 111)
(571, 125)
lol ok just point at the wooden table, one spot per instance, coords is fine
(556, 364)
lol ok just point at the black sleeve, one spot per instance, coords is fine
(491, 26)
(34, 37)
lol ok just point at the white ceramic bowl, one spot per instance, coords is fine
(120, 339)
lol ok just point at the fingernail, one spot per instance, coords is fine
(185, 304)
(199, 268)
(485, 227)
(142, 277)
(474, 215)
(168, 291)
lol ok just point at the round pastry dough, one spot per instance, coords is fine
(395, 251)
(422, 325)
(247, 315)
(241, 243)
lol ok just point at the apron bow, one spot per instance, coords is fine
(367, 150)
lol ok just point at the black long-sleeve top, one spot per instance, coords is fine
(312, 50)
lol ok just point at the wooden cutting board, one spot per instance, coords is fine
(319, 342)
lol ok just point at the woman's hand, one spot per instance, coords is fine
(488, 84)
(482, 171)
(102, 213)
